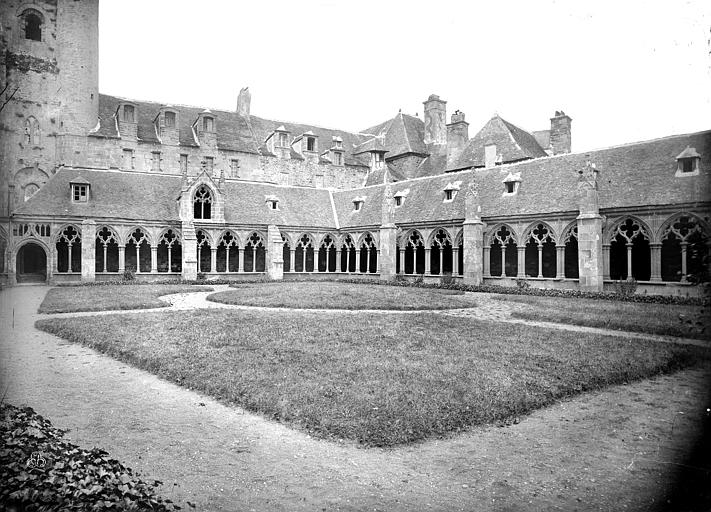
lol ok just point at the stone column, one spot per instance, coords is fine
(684, 246)
(387, 257)
(560, 261)
(629, 260)
(521, 263)
(540, 261)
(190, 266)
(275, 254)
(292, 260)
(303, 259)
(428, 261)
(487, 261)
(591, 257)
(240, 261)
(227, 258)
(339, 265)
(503, 260)
(455, 261)
(254, 258)
(367, 260)
(656, 261)
(357, 269)
(377, 261)
(213, 259)
(605, 260)
(441, 260)
(122, 258)
(88, 251)
(473, 247)
(69, 258)
(154, 259)
(170, 258)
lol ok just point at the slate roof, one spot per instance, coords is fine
(151, 197)
(512, 142)
(402, 134)
(233, 131)
(264, 127)
(631, 176)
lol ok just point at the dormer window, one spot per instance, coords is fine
(80, 195)
(272, 202)
(398, 200)
(208, 124)
(337, 158)
(129, 114)
(310, 143)
(80, 190)
(337, 142)
(358, 203)
(450, 191)
(33, 25)
(688, 162)
(283, 140)
(169, 119)
(512, 183)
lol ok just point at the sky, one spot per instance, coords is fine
(624, 71)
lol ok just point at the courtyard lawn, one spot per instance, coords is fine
(380, 379)
(666, 319)
(67, 299)
(330, 295)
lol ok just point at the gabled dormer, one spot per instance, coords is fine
(358, 202)
(306, 145)
(201, 200)
(272, 202)
(279, 143)
(336, 153)
(400, 196)
(512, 183)
(450, 191)
(127, 120)
(688, 163)
(79, 189)
(204, 129)
(166, 124)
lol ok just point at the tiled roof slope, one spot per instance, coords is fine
(152, 197)
(634, 175)
(512, 143)
(233, 132)
(265, 127)
(403, 134)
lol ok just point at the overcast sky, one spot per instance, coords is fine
(624, 71)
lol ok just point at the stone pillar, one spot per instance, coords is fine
(154, 259)
(473, 238)
(348, 259)
(254, 259)
(503, 260)
(88, 251)
(521, 262)
(377, 261)
(275, 254)
(487, 261)
(401, 255)
(339, 266)
(455, 261)
(441, 260)
(560, 261)
(684, 246)
(213, 259)
(540, 261)
(190, 263)
(357, 269)
(240, 262)
(605, 260)
(428, 261)
(591, 259)
(656, 261)
(387, 257)
(292, 260)
(122, 258)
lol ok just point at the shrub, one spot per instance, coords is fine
(42, 471)
(522, 284)
(128, 275)
(626, 288)
(200, 277)
(446, 279)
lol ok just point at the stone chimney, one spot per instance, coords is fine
(435, 120)
(243, 101)
(457, 137)
(166, 123)
(560, 133)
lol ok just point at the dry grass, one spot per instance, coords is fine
(379, 379)
(665, 319)
(67, 299)
(329, 295)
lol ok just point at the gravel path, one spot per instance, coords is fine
(616, 449)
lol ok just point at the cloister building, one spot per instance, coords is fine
(94, 185)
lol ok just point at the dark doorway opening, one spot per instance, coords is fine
(31, 264)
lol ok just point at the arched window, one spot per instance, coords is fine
(629, 252)
(571, 253)
(138, 252)
(414, 254)
(327, 255)
(684, 252)
(33, 134)
(368, 255)
(304, 256)
(202, 204)
(348, 252)
(286, 255)
(503, 257)
(107, 252)
(227, 253)
(204, 252)
(33, 24)
(441, 253)
(254, 254)
(170, 254)
(540, 252)
(69, 250)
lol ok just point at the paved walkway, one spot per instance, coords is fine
(614, 449)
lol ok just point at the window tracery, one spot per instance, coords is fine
(202, 203)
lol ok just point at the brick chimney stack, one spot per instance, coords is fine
(560, 133)
(435, 120)
(243, 102)
(457, 137)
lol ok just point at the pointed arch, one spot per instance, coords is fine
(170, 251)
(138, 250)
(569, 239)
(68, 245)
(255, 252)
(106, 254)
(203, 200)
(441, 253)
(684, 252)
(630, 257)
(227, 256)
(540, 256)
(503, 251)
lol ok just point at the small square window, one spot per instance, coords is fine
(170, 119)
(398, 200)
(310, 144)
(448, 195)
(80, 193)
(208, 124)
(687, 165)
(357, 205)
(510, 187)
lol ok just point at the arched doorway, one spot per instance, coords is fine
(31, 264)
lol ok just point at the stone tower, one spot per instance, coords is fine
(49, 75)
(435, 124)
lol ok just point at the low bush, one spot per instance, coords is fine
(42, 471)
